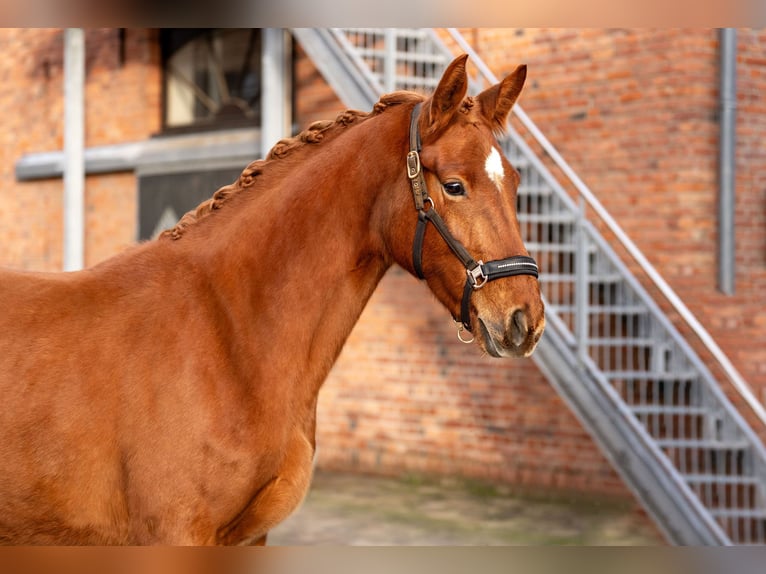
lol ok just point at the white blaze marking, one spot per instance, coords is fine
(494, 168)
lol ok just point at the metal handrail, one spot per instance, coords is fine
(707, 340)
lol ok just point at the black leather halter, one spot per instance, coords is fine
(478, 273)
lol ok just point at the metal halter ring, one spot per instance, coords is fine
(460, 329)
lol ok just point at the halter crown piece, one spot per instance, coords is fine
(478, 273)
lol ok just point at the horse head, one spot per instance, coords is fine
(465, 187)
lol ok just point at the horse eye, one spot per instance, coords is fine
(454, 188)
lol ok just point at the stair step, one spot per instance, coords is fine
(621, 342)
(672, 423)
(752, 513)
(668, 410)
(380, 53)
(603, 309)
(705, 444)
(419, 81)
(554, 247)
(684, 376)
(532, 190)
(556, 217)
(721, 479)
(411, 33)
(610, 279)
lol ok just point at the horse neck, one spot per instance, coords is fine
(299, 260)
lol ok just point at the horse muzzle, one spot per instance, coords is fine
(516, 335)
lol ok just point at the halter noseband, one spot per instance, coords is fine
(478, 273)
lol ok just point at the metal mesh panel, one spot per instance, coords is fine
(397, 58)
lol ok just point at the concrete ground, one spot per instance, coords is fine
(358, 510)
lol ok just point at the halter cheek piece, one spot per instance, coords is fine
(478, 273)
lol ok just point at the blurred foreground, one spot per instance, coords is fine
(359, 510)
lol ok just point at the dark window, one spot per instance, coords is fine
(212, 78)
(164, 198)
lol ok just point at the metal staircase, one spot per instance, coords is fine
(609, 350)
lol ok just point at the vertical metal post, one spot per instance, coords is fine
(74, 143)
(275, 103)
(389, 60)
(581, 287)
(727, 159)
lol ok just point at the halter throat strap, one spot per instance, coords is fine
(478, 273)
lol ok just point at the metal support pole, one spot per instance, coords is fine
(581, 287)
(726, 160)
(275, 103)
(74, 144)
(389, 62)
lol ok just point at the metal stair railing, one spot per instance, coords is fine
(609, 350)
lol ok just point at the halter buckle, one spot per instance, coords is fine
(413, 164)
(476, 276)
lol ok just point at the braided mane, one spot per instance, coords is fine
(316, 132)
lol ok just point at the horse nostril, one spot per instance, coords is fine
(518, 327)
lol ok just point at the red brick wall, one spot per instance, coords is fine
(30, 94)
(747, 330)
(122, 105)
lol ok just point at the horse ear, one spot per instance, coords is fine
(449, 93)
(497, 101)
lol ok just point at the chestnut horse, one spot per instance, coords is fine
(168, 395)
